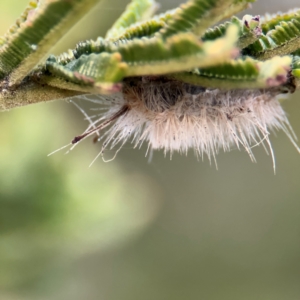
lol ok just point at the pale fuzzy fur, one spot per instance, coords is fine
(204, 121)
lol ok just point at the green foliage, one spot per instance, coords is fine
(249, 30)
(34, 33)
(281, 36)
(140, 44)
(198, 15)
(174, 54)
(159, 56)
(239, 74)
(88, 69)
(136, 11)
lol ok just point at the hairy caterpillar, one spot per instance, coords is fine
(176, 116)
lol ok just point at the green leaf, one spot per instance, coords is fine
(90, 69)
(249, 30)
(177, 53)
(240, 74)
(84, 48)
(281, 37)
(42, 24)
(198, 15)
(146, 28)
(137, 10)
(269, 21)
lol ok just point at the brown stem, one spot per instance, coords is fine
(31, 92)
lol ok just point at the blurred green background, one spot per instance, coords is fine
(130, 229)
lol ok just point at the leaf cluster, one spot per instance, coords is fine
(181, 44)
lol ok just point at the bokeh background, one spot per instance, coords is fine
(134, 229)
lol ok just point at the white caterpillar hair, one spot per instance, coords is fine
(176, 116)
